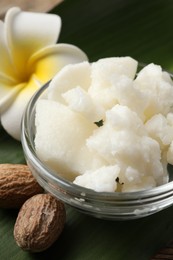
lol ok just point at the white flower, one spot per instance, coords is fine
(29, 57)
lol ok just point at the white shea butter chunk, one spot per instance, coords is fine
(128, 145)
(107, 127)
(80, 101)
(103, 72)
(126, 94)
(69, 77)
(158, 87)
(60, 139)
(159, 129)
(102, 180)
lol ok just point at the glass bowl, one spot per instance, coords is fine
(105, 205)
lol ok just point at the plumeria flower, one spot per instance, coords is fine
(29, 57)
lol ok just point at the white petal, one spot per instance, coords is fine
(7, 95)
(48, 61)
(11, 118)
(28, 32)
(7, 72)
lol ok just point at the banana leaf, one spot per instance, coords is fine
(143, 30)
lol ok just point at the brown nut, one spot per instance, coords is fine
(39, 223)
(17, 184)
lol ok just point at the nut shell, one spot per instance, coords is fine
(39, 223)
(17, 184)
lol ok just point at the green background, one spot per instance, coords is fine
(143, 30)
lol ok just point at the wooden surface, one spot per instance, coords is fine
(27, 5)
(165, 253)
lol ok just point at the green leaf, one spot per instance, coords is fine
(143, 30)
(10, 149)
